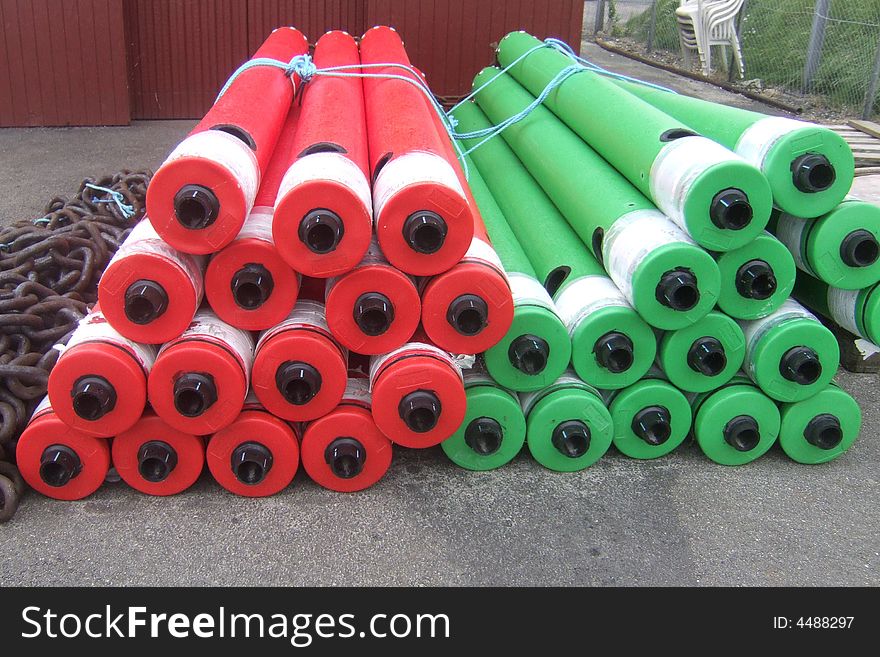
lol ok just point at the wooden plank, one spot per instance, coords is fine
(868, 127)
(867, 171)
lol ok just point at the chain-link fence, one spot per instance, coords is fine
(828, 50)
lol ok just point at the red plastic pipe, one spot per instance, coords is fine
(59, 461)
(255, 456)
(157, 459)
(344, 450)
(200, 196)
(150, 291)
(422, 216)
(299, 369)
(375, 307)
(418, 394)
(323, 213)
(99, 384)
(200, 380)
(248, 283)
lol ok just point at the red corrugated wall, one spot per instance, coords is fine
(450, 40)
(180, 53)
(62, 62)
(94, 62)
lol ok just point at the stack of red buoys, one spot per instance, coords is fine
(312, 226)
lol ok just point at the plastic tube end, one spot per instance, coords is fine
(528, 353)
(812, 172)
(144, 301)
(756, 280)
(824, 431)
(730, 209)
(194, 393)
(373, 313)
(346, 457)
(801, 365)
(425, 231)
(196, 207)
(571, 438)
(742, 433)
(251, 463)
(707, 356)
(653, 425)
(156, 460)
(484, 435)
(468, 314)
(420, 410)
(321, 231)
(614, 351)
(93, 397)
(58, 465)
(297, 382)
(678, 290)
(859, 249)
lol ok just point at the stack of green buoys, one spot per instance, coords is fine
(652, 306)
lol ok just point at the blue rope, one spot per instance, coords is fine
(115, 197)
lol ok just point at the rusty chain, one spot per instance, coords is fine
(49, 271)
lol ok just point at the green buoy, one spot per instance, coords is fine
(821, 428)
(735, 424)
(568, 426)
(755, 278)
(789, 354)
(703, 356)
(494, 428)
(841, 247)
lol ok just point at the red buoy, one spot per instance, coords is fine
(200, 196)
(418, 394)
(423, 220)
(299, 368)
(99, 384)
(375, 307)
(200, 380)
(255, 456)
(323, 213)
(150, 291)
(248, 283)
(344, 450)
(157, 459)
(59, 461)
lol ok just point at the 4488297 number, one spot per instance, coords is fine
(824, 622)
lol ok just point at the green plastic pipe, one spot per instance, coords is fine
(664, 275)
(821, 428)
(755, 278)
(809, 167)
(568, 426)
(841, 247)
(651, 417)
(494, 428)
(717, 197)
(611, 345)
(537, 348)
(703, 356)
(789, 354)
(858, 311)
(736, 423)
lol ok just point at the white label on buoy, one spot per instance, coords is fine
(334, 167)
(143, 239)
(378, 363)
(410, 169)
(357, 391)
(759, 138)
(483, 253)
(42, 408)
(96, 328)
(229, 152)
(676, 168)
(567, 379)
(584, 296)
(306, 314)
(527, 291)
(208, 327)
(258, 225)
(842, 307)
(755, 329)
(631, 238)
(790, 231)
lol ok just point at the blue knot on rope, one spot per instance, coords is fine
(303, 66)
(115, 197)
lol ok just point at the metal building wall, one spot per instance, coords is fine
(62, 62)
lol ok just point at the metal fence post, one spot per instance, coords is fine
(871, 93)
(652, 26)
(600, 16)
(817, 38)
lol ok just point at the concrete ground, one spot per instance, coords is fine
(680, 520)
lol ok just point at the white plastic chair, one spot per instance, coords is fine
(706, 23)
